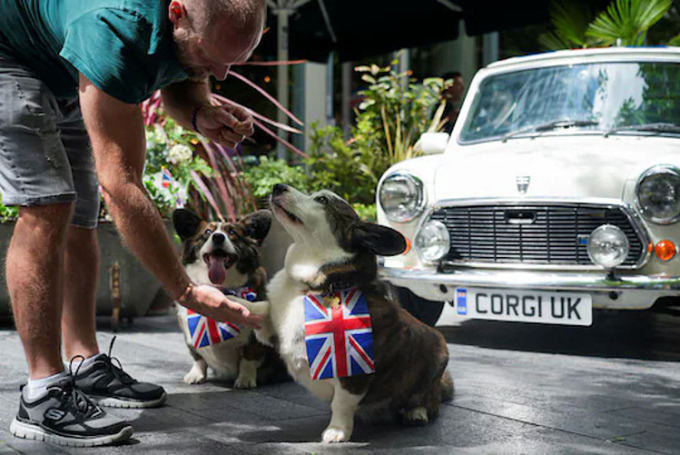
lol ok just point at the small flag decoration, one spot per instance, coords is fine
(339, 337)
(166, 178)
(206, 331)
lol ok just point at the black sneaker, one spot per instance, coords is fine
(65, 416)
(110, 386)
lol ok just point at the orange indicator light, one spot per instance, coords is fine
(665, 250)
(408, 245)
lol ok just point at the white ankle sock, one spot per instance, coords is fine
(87, 363)
(36, 388)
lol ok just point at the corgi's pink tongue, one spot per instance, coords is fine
(216, 271)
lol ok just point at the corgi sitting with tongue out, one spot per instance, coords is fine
(226, 255)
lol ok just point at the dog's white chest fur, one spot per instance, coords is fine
(287, 316)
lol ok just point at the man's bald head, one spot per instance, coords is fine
(211, 35)
(244, 15)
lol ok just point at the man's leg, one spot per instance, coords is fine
(81, 268)
(98, 376)
(36, 176)
(34, 271)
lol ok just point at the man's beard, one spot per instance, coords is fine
(183, 39)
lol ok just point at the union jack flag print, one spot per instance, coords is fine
(339, 338)
(206, 331)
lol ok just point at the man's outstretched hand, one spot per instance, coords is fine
(210, 301)
(224, 125)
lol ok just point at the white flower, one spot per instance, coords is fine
(179, 153)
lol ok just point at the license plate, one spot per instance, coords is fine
(565, 308)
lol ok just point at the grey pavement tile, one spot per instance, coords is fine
(541, 441)
(163, 419)
(574, 420)
(295, 393)
(657, 439)
(163, 443)
(264, 406)
(506, 402)
(652, 414)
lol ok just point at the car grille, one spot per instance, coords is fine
(532, 234)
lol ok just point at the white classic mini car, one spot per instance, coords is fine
(557, 192)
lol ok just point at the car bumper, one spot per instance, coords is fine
(625, 291)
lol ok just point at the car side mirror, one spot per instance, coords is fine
(432, 143)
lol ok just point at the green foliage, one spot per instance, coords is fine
(336, 166)
(571, 20)
(262, 178)
(170, 146)
(627, 21)
(624, 23)
(367, 212)
(8, 213)
(395, 111)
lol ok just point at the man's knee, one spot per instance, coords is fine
(50, 221)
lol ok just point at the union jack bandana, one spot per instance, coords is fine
(339, 338)
(206, 331)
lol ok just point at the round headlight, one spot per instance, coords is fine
(608, 246)
(401, 197)
(658, 194)
(433, 241)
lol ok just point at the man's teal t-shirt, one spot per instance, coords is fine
(125, 47)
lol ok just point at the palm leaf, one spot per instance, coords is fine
(571, 21)
(626, 22)
(675, 41)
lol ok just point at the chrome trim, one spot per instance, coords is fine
(421, 203)
(518, 279)
(652, 170)
(626, 208)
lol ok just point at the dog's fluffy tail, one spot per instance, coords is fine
(446, 387)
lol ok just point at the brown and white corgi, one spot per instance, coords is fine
(333, 257)
(226, 255)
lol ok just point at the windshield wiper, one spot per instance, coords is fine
(658, 127)
(555, 124)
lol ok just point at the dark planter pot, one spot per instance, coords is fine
(136, 287)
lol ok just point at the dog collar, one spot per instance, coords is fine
(244, 292)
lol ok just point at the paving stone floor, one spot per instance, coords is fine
(513, 395)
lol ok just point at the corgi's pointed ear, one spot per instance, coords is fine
(186, 223)
(257, 224)
(377, 239)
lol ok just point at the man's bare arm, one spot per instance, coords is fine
(225, 125)
(182, 98)
(119, 147)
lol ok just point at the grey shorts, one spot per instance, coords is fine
(45, 153)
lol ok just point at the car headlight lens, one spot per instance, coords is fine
(401, 197)
(658, 194)
(608, 246)
(433, 241)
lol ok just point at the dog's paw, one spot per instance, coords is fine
(245, 382)
(416, 416)
(194, 377)
(331, 435)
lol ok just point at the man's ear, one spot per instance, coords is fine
(176, 12)
(257, 225)
(186, 223)
(380, 240)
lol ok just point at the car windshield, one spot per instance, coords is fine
(611, 98)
